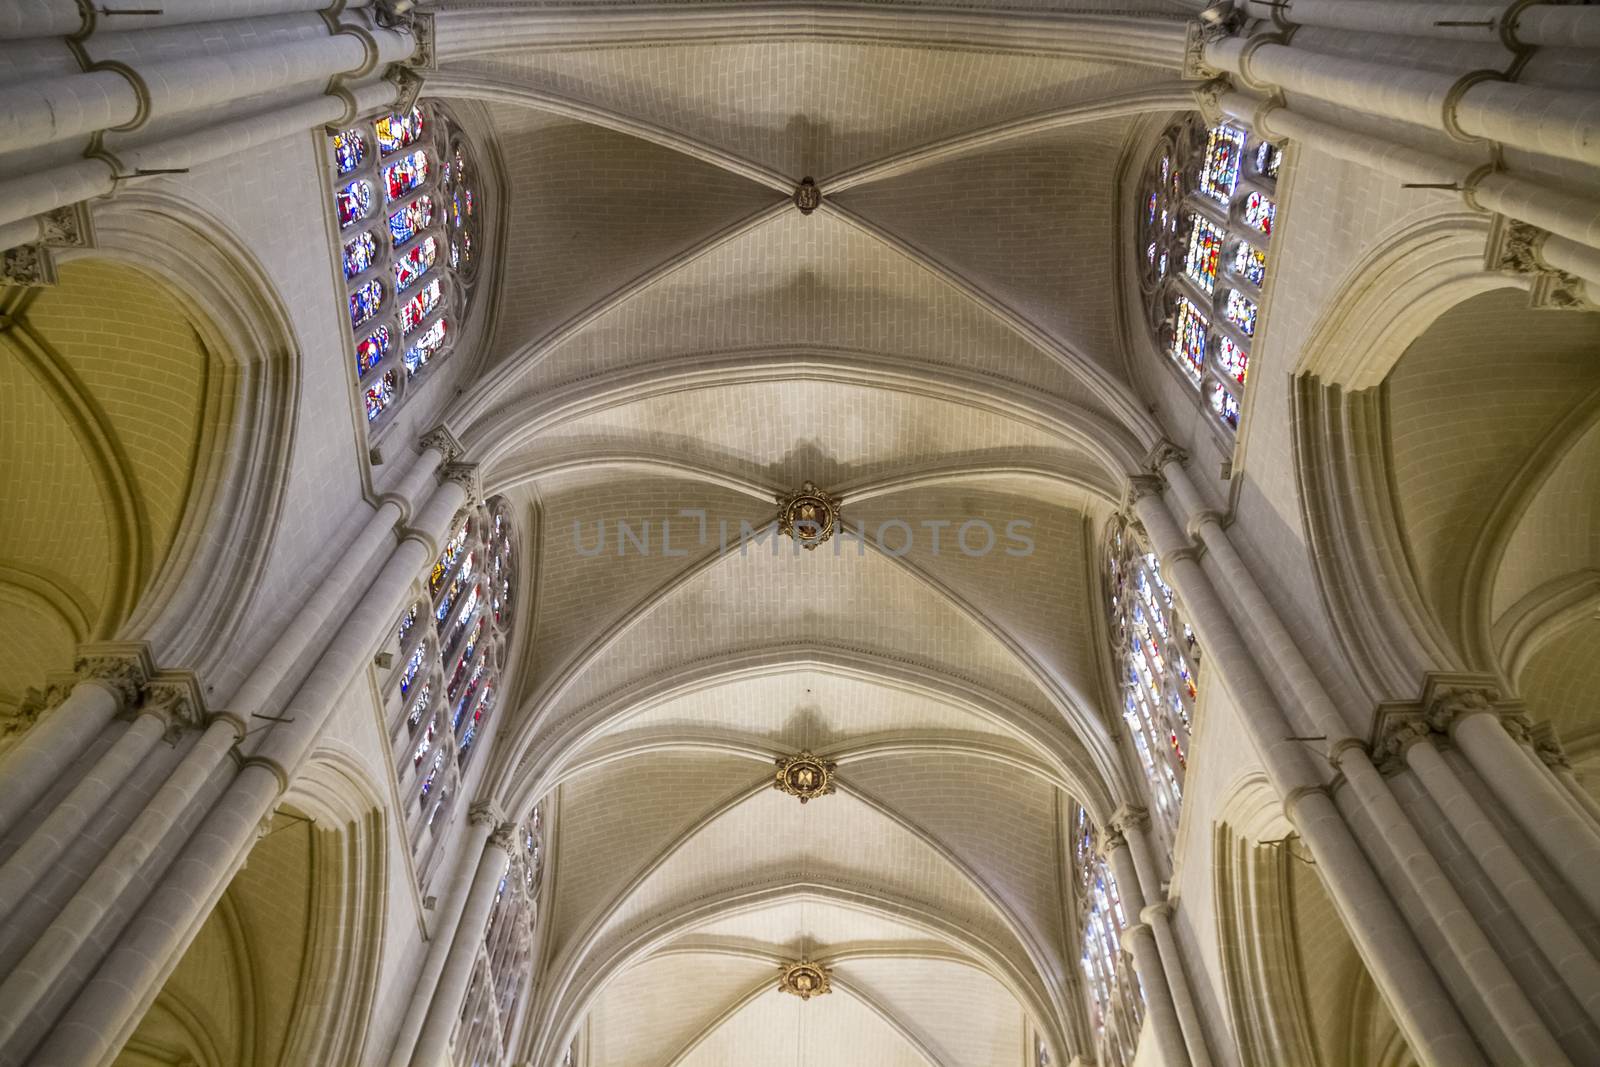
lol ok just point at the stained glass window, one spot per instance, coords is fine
(1207, 316)
(365, 301)
(1250, 264)
(1241, 311)
(419, 307)
(503, 969)
(359, 253)
(1224, 405)
(440, 692)
(371, 349)
(1220, 171)
(431, 341)
(1205, 252)
(349, 149)
(355, 203)
(1259, 211)
(1189, 340)
(405, 174)
(396, 131)
(415, 263)
(1159, 668)
(422, 162)
(1232, 359)
(1269, 157)
(379, 395)
(1115, 999)
(410, 220)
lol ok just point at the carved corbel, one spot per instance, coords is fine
(442, 439)
(465, 475)
(1514, 247)
(177, 703)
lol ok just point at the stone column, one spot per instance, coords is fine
(1569, 214)
(1549, 749)
(1545, 924)
(108, 684)
(1140, 941)
(482, 818)
(103, 1015)
(1477, 104)
(433, 1047)
(1459, 20)
(105, 1012)
(167, 711)
(1542, 810)
(1134, 823)
(1434, 1028)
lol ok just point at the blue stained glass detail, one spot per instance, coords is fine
(396, 131)
(380, 395)
(415, 263)
(1189, 339)
(410, 220)
(1250, 264)
(1224, 405)
(1205, 253)
(355, 203)
(1241, 312)
(371, 350)
(365, 301)
(349, 149)
(405, 174)
(1220, 173)
(359, 254)
(432, 339)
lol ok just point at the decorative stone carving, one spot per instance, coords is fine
(505, 837)
(1194, 51)
(807, 197)
(1445, 704)
(1163, 453)
(1130, 817)
(465, 475)
(442, 439)
(27, 265)
(177, 703)
(486, 812)
(805, 979)
(126, 675)
(804, 776)
(809, 515)
(1143, 485)
(1208, 99)
(409, 83)
(1514, 248)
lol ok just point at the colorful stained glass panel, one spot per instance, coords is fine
(419, 307)
(1220, 172)
(349, 149)
(380, 396)
(426, 347)
(1259, 212)
(405, 174)
(365, 301)
(1205, 253)
(1232, 359)
(1224, 406)
(355, 203)
(415, 263)
(410, 220)
(371, 349)
(1189, 339)
(396, 131)
(1250, 264)
(359, 254)
(1241, 311)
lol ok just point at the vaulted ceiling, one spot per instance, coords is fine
(677, 347)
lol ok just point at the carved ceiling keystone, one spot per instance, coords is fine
(804, 776)
(805, 979)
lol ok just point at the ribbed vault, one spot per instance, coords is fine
(679, 347)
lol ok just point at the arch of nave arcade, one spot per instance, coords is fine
(687, 534)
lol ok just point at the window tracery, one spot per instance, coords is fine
(1208, 208)
(407, 255)
(1115, 999)
(487, 1025)
(448, 651)
(1158, 670)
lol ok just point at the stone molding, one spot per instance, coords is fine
(1514, 248)
(1447, 699)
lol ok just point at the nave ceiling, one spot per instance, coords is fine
(937, 341)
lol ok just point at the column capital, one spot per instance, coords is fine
(504, 838)
(124, 667)
(1143, 485)
(176, 700)
(1548, 746)
(486, 813)
(1163, 452)
(1129, 817)
(465, 475)
(442, 439)
(1516, 247)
